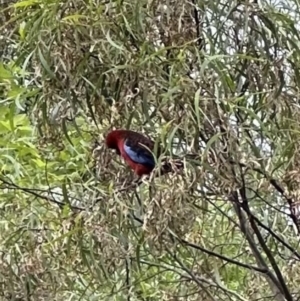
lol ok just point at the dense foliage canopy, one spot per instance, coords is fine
(216, 83)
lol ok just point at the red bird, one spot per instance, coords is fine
(132, 146)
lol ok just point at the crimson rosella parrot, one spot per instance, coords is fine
(132, 146)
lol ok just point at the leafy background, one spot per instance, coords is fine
(216, 83)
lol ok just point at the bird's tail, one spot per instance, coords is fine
(171, 165)
(177, 164)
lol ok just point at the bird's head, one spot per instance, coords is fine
(113, 138)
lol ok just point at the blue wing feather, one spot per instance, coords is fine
(139, 154)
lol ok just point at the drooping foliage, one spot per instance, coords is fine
(215, 83)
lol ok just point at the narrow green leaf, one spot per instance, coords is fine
(45, 64)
